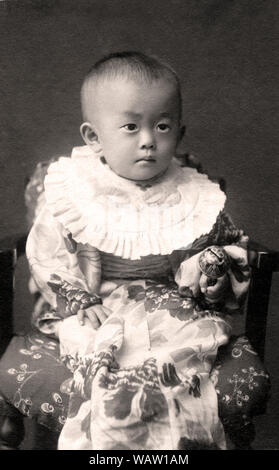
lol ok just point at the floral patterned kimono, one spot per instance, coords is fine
(141, 381)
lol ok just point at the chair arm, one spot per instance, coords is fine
(264, 263)
(14, 242)
(10, 248)
(262, 258)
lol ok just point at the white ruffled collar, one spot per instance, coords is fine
(124, 218)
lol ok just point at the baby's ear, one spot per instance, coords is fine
(181, 133)
(90, 137)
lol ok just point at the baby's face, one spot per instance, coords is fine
(137, 126)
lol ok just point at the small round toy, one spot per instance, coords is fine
(214, 261)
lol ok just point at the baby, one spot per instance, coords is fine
(116, 242)
(132, 111)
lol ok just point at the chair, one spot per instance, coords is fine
(263, 263)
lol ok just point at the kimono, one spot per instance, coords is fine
(142, 380)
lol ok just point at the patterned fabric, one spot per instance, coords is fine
(239, 386)
(242, 385)
(152, 314)
(71, 299)
(27, 383)
(34, 380)
(160, 358)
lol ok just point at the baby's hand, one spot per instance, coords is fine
(96, 314)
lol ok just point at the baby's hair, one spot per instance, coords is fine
(132, 65)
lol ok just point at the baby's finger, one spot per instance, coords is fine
(203, 283)
(93, 319)
(107, 311)
(80, 317)
(218, 288)
(100, 313)
(217, 293)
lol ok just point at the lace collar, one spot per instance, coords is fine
(124, 217)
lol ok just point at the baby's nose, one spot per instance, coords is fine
(151, 145)
(147, 141)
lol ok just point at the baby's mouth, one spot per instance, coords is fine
(146, 159)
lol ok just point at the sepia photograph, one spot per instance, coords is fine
(139, 228)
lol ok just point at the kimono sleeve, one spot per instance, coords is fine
(224, 232)
(51, 252)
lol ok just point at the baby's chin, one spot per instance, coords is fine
(144, 171)
(143, 176)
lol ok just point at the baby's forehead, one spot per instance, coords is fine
(126, 95)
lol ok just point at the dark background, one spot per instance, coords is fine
(225, 53)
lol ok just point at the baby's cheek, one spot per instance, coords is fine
(168, 145)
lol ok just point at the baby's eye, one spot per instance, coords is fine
(130, 127)
(163, 127)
